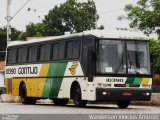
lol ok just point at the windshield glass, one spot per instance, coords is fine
(121, 57)
(138, 57)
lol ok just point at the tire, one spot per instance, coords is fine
(60, 102)
(77, 99)
(24, 98)
(123, 104)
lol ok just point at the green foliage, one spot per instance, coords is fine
(3, 43)
(32, 29)
(155, 55)
(71, 16)
(144, 16)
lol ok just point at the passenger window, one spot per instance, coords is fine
(12, 55)
(45, 52)
(55, 51)
(61, 50)
(22, 54)
(76, 48)
(33, 53)
(69, 50)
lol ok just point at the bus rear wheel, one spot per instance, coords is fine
(60, 102)
(123, 104)
(77, 99)
(24, 98)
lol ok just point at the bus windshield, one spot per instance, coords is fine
(123, 57)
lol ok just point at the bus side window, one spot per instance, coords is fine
(55, 51)
(76, 48)
(22, 54)
(73, 49)
(61, 50)
(45, 52)
(33, 52)
(9, 56)
(42, 53)
(69, 49)
(12, 56)
(48, 51)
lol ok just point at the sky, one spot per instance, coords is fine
(109, 10)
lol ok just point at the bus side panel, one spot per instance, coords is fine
(52, 85)
(32, 87)
(40, 86)
(75, 73)
(65, 88)
(91, 92)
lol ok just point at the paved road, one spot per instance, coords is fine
(18, 108)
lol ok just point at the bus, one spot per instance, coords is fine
(95, 66)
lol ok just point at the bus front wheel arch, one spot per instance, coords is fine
(77, 96)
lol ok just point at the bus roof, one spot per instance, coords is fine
(114, 34)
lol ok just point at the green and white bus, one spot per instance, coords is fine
(89, 66)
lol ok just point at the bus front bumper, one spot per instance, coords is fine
(115, 94)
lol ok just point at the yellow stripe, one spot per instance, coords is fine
(44, 69)
(145, 81)
(41, 81)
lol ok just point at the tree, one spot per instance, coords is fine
(144, 16)
(155, 55)
(3, 43)
(35, 30)
(3, 39)
(71, 16)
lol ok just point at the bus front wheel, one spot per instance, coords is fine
(24, 98)
(123, 104)
(77, 99)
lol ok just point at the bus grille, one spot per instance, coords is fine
(125, 85)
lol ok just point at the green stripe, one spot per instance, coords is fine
(137, 81)
(52, 85)
(129, 80)
(132, 80)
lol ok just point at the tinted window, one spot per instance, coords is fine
(76, 48)
(69, 50)
(33, 53)
(22, 54)
(45, 52)
(12, 55)
(55, 51)
(61, 50)
(73, 48)
(9, 56)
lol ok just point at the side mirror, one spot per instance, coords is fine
(91, 63)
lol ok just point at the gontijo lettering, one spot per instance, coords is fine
(27, 70)
(22, 70)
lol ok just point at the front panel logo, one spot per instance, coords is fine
(73, 69)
